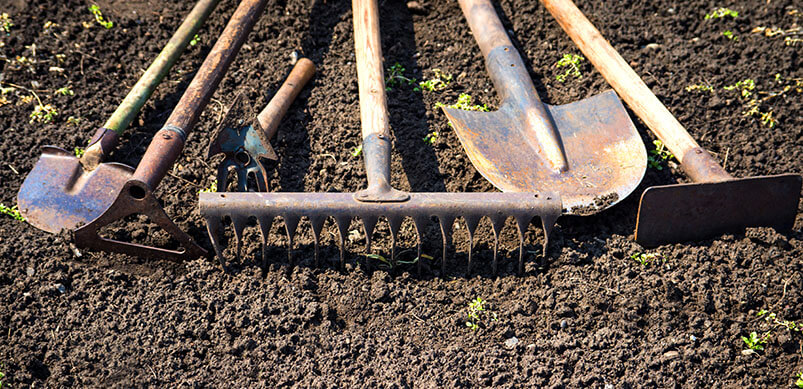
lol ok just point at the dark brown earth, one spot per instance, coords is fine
(589, 317)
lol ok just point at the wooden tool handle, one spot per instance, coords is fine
(368, 47)
(622, 77)
(485, 25)
(271, 116)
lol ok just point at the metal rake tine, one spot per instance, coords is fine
(316, 222)
(290, 225)
(368, 225)
(213, 227)
(472, 221)
(239, 226)
(419, 223)
(522, 222)
(446, 222)
(265, 222)
(395, 225)
(343, 223)
(497, 223)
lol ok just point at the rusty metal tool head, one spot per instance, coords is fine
(62, 190)
(246, 146)
(136, 196)
(379, 199)
(588, 151)
(715, 202)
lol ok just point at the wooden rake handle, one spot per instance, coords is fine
(271, 116)
(368, 48)
(622, 77)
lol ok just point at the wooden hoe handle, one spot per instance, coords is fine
(271, 116)
(622, 77)
(368, 47)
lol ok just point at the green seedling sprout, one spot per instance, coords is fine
(572, 63)
(658, 155)
(99, 17)
(464, 101)
(744, 87)
(43, 113)
(74, 121)
(477, 314)
(6, 23)
(212, 188)
(440, 81)
(730, 35)
(722, 13)
(13, 212)
(431, 138)
(798, 383)
(79, 152)
(356, 151)
(700, 87)
(772, 318)
(396, 77)
(195, 40)
(756, 343)
(65, 91)
(647, 259)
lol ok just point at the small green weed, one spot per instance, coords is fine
(99, 17)
(477, 314)
(658, 155)
(730, 35)
(6, 23)
(722, 13)
(431, 138)
(74, 121)
(65, 91)
(771, 317)
(13, 212)
(439, 81)
(43, 113)
(396, 77)
(572, 63)
(212, 188)
(356, 151)
(647, 259)
(798, 383)
(1, 379)
(744, 87)
(700, 87)
(195, 40)
(79, 152)
(755, 343)
(464, 101)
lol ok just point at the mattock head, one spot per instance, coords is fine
(244, 147)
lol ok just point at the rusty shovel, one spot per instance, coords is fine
(588, 151)
(63, 191)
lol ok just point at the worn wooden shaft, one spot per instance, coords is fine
(271, 116)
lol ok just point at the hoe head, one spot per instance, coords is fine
(244, 147)
(588, 151)
(59, 193)
(688, 212)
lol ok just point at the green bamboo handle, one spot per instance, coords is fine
(139, 94)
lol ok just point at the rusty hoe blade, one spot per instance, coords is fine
(716, 202)
(379, 199)
(588, 151)
(63, 191)
(246, 146)
(136, 196)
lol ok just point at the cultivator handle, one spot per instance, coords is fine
(271, 116)
(169, 141)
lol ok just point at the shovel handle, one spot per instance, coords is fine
(271, 116)
(169, 141)
(485, 25)
(633, 90)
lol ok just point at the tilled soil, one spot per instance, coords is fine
(587, 315)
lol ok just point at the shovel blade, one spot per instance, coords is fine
(689, 212)
(605, 154)
(59, 194)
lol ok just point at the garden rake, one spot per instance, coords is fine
(715, 202)
(246, 147)
(379, 199)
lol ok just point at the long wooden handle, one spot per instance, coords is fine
(485, 25)
(622, 77)
(368, 47)
(271, 116)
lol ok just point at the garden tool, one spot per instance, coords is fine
(715, 202)
(588, 151)
(136, 196)
(246, 147)
(62, 190)
(379, 198)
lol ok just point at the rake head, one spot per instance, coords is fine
(344, 207)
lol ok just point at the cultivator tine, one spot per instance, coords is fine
(497, 223)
